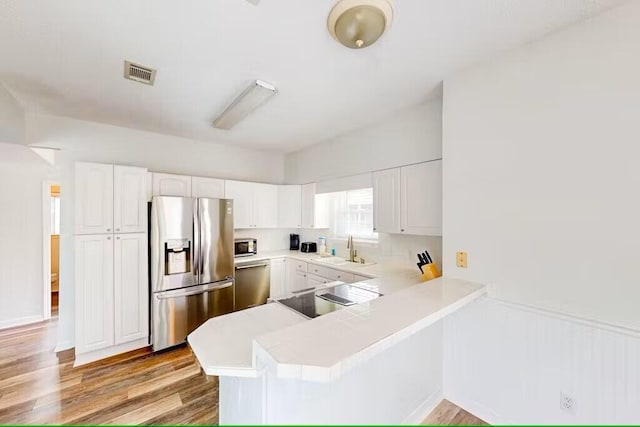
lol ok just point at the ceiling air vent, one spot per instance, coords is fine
(139, 73)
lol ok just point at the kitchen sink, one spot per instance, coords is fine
(341, 261)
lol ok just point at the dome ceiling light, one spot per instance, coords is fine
(359, 23)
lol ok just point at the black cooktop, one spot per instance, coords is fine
(316, 303)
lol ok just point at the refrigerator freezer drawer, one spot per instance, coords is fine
(178, 312)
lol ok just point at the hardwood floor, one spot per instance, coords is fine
(446, 413)
(38, 386)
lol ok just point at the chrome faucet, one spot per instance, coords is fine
(352, 252)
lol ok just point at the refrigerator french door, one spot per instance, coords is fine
(191, 265)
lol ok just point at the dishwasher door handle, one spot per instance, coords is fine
(251, 266)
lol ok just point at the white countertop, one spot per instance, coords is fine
(404, 274)
(322, 349)
(223, 344)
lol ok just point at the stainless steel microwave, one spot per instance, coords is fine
(245, 247)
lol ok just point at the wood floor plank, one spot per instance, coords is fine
(147, 412)
(446, 413)
(163, 381)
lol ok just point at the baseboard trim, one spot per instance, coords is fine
(93, 356)
(478, 410)
(12, 323)
(424, 409)
(63, 345)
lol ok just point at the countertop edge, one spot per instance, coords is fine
(327, 374)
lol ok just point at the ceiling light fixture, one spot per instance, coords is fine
(359, 23)
(250, 99)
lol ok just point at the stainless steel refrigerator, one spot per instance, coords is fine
(191, 265)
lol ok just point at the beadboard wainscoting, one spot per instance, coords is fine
(508, 363)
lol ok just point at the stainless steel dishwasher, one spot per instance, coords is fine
(252, 283)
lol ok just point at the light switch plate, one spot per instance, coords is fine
(461, 259)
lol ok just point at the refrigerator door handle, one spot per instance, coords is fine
(193, 290)
(196, 241)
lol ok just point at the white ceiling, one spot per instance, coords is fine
(65, 57)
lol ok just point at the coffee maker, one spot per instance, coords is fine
(294, 242)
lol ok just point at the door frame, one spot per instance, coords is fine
(46, 248)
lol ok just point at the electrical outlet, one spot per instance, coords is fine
(567, 403)
(461, 259)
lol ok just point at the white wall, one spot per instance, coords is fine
(510, 365)
(541, 176)
(21, 272)
(410, 136)
(87, 141)
(12, 121)
(540, 150)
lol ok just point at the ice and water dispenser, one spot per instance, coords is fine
(177, 256)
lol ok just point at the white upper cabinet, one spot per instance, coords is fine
(207, 187)
(93, 198)
(149, 191)
(242, 194)
(265, 205)
(289, 206)
(129, 199)
(94, 292)
(131, 288)
(255, 205)
(308, 205)
(171, 185)
(386, 201)
(421, 199)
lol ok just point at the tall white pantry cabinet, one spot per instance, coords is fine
(111, 275)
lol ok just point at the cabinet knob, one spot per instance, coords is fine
(374, 229)
(118, 237)
(109, 238)
(402, 229)
(108, 229)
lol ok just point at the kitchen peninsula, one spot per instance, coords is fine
(379, 361)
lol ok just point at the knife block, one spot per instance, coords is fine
(430, 272)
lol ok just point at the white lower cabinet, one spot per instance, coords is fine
(112, 300)
(131, 289)
(314, 281)
(299, 275)
(278, 279)
(94, 292)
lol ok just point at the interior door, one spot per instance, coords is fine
(215, 248)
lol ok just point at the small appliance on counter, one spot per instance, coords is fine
(245, 246)
(309, 247)
(294, 242)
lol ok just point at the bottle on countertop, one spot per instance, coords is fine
(322, 245)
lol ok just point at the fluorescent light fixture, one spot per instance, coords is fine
(251, 98)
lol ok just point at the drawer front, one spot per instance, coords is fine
(318, 270)
(340, 275)
(300, 265)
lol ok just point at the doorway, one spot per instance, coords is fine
(51, 248)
